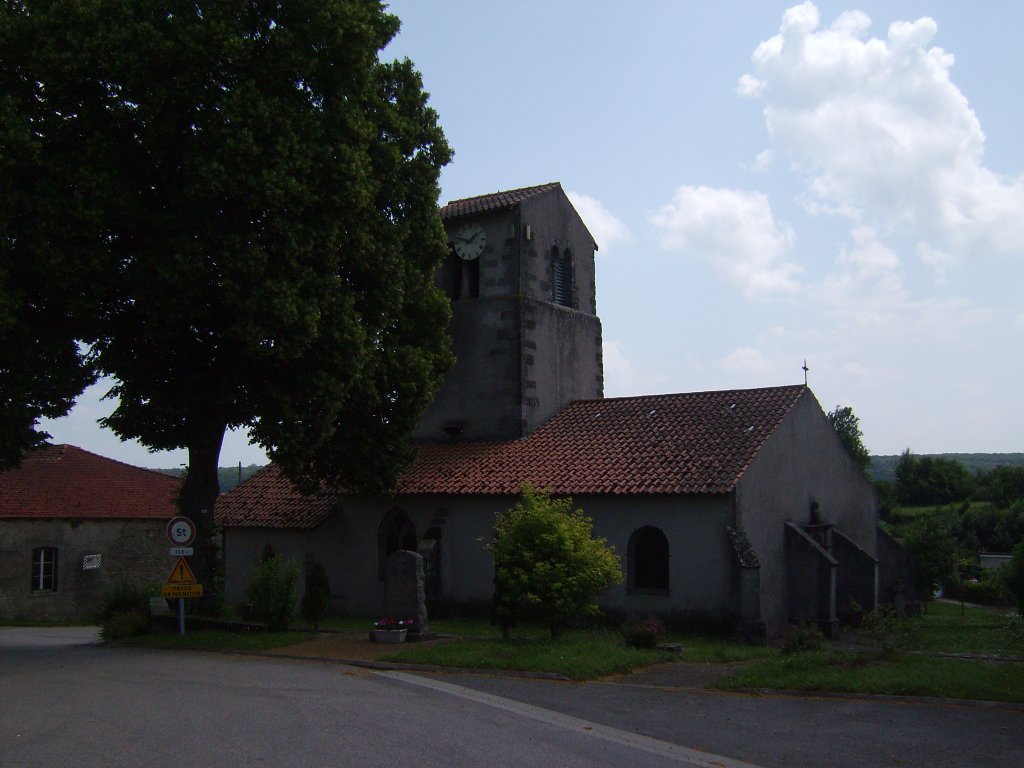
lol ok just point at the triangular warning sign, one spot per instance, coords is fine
(181, 574)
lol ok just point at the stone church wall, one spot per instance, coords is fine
(347, 545)
(802, 462)
(699, 554)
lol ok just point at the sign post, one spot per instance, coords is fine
(182, 582)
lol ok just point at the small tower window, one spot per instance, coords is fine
(459, 279)
(561, 272)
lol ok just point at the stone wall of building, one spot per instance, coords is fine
(133, 552)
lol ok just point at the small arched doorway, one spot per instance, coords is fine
(648, 562)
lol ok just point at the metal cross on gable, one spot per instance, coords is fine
(805, 370)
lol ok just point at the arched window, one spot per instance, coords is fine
(395, 532)
(648, 562)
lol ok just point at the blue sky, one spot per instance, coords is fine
(841, 182)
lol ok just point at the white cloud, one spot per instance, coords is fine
(623, 378)
(746, 361)
(882, 133)
(603, 225)
(735, 231)
(941, 262)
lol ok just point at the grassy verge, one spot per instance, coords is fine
(577, 654)
(973, 629)
(587, 654)
(910, 675)
(216, 640)
(35, 623)
(910, 671)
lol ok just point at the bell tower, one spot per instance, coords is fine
(525, 331)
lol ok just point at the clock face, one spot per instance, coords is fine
(470, 240)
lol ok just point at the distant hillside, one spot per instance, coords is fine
(229, 476)
(884, 467)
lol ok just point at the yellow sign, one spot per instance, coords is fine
(174, 591)
(181, 574)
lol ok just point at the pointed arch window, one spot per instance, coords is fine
(396, 531)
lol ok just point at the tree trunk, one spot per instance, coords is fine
(197, 499)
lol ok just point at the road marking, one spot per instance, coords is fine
(666, 749)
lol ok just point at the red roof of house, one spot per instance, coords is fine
(694, 443)
(493, 201)
(62, 481)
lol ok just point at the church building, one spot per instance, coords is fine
(735, 507)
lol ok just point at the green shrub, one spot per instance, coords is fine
(272, 591)
(989, 588)
(123, 598)
(547, 561)
(316, 599)
(642, 633)
(887, 631)
(805, 637)
(124, 624)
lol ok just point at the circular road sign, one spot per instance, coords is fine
(181, 531)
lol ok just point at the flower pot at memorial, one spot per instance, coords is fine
(389, 635)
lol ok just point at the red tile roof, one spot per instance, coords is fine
(494, 200)
(694, 443)
(656, 444)
(269, 500)
(62, 481)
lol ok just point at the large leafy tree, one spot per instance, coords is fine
(262, 207)
(847, 426)
(53, 178)
(931, 480)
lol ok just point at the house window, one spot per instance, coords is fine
(396, 531)
(648, 562)
(44, 569)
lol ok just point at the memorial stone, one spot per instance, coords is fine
(405, 591)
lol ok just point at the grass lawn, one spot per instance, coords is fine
(978, 630)
(215, 640)
(586, 654)
(577, 654)
(910, 675)
(912, 672)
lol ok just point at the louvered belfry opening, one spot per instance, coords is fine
(561, 282)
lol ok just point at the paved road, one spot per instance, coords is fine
(67, 702)
(86, 705)
(776, 730)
